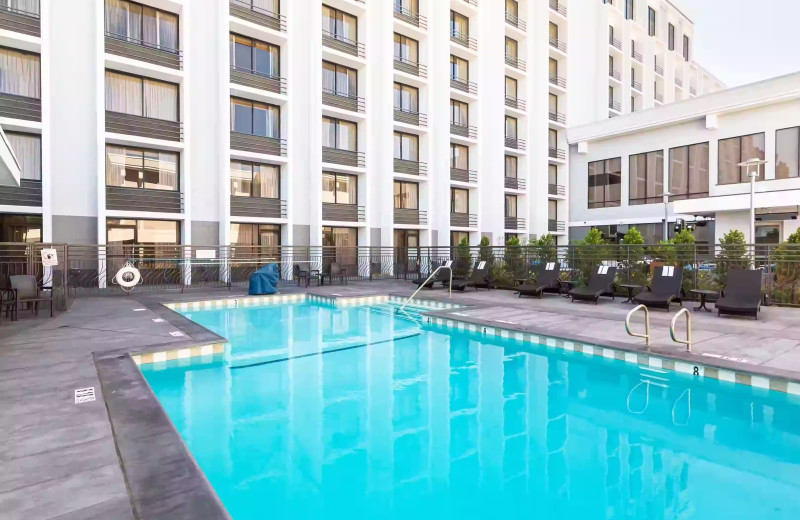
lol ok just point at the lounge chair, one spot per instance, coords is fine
(28, 291)
(665, 289)
(547, 279)
(335, 271)
(600, 284)
(479, 277)
(442, 276)
(742, 295)
(304, 272)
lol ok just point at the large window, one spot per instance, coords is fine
(20, 228)
(459, 156)
(406, 49)
(142, 24)
(28, 151)
(406, 146)
(787, 153)
(406, 98)
(146, 232)
(511, 88)
(511, 206)
(339, 80)
(685, 47)
(456, 237)
(255, 57)
(406, 195)
(20, 73)
(339, 24)
(646, 178)
(511, 169)
(254, 118)
(512, 46)
(552, 174)
(255, 180)
(629, 9)
(139, 96)
(511, 127)
(459, 113)
(553, 69)
(552, 210)
(138, 168)
(339, 134)
(605, 179)
(459, 200)
(459, 25)
(737, 150)
(255, 234)
(339, 188)
(688, 172)
(651, 21)
(459, 68)
(671, 37)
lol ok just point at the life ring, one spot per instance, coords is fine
(128, 277)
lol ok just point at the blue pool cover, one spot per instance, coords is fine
(265, 280)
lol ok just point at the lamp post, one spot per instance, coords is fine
(666, 196)
(756, 164)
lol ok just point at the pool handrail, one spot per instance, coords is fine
(646, 334)
(688, 340)
(435, 271)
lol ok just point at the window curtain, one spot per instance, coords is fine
(19, 74)
(511, 128)
(160, 29)
(241, 116)
(511, 166)
(124, 19)
(346, 136)
(123, 93)
(787, 153)
(269, 235)
(28, 151)
(27, 6)
(511, 45)
(511, 88)
(243, 234)
(698, 169)
(266, 181)
(328, 19)
(346, 189)
(116, 165)
(328, 132)
(328, 188)
(511, 206)
(752, 147)
(655, 176)
(459, 157)
(460, 201)
(328, 77)
(267, 59)
(160, 100)
(160, 170)
(679, 170)
(241, 53)
(241, 179)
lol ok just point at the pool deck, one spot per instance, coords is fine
(61, 460)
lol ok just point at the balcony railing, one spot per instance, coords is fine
(410, 17)
(615, 43)
(259, 80)
(556, 226)
(556, 153)
(258, 144)
(138, 199)
(410, 117)
(558, 81)
(343, 212)
(515, 62)
(636, 85)
(464, 40)
(28, 193)
(557, 117)
(130, 124)
(659, 70)
(464, 220)
(461, 175)
(514, 21)
(614, 105)
(615, 74)
(471, 2)
(558, 44)
(637, 56)
(142, 51)
(470, 87)
(20, 107)
(515, 223)
(342, 100)
(559, 8)
(517, 103)
(261, 207)
(556, 189)
(410, 167)
(342, 44)
(679, 82)
(516, 144)
(659, 97)
(514, 183)
(410, 67)
(246, 10)
(692, 90)
(343, 157)
(19, 20)
(463, 130)
(412, 217)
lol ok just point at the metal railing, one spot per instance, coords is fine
(659, 97)
(515, 62)
(410, 117)
(557, 117)
(556, 153)
(636, 85)
(248, 10)
(138, 49)
(410, 67)
(692, 90)
(20, 20)
(637, 56)
(343, 44)
(614, 105)
(410, 167)
(515, 21)
(514, 183)
(678, 81)
(646, 334)
(461, 175)
(615, 43)
(470, 87)
(471, 2)
(556, 226)
(465, 220)
(463, 130)
(559, 8)
(258, 144)
(688, 340)
(558, 81)
(464, 40)
(256, 79)
(556, 189)
(558, 44)
(515, 143)
(427, 281)
(343, 212)
(514, 223)
(410, 17)
(659, 70)
(407, 216)
(343, 157)
(343, 100)
(615, 74)
(516, 103)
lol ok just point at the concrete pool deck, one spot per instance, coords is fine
(61, 460)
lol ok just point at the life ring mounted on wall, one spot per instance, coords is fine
(128, 277)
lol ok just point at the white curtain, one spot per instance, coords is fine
(123, 93)
(27, 6)
(124, 19)
(266, 181)
(160, 100)
(161, 170)
(243, 234)
(115, 165)
(271, 6)
(28, 151)
(328, 76)
(19, 73)
(241, 179)
(167, 31)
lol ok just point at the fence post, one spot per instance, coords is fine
(630, 267)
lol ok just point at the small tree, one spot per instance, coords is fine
(513, 257)
(463, 260)
(545, 248)
(589, 252)
(485, 250)
(732, 255)
(633, 256)
(787, 269)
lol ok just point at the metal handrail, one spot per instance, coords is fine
(646, 334)
(428, 279)
(688, 340)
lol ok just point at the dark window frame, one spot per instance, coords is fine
(646, 200)
(776, 151)
(337, 11)
(252, 106)
(515, 161)
(453, 146)
(402, 185)
(400, 134)
(143, 150)
(605, 203)
(651, 21)
(671, 37)
(141, 82)
(11, 132)
(22, 51)
(688, 194)
(515, 198)
(252, 50)
(402, 37)
(178, 229)
(404, 87)
(337, 122)
(258, 227)
(742, 169)
(686, 47)
(336, 66)
(336, 175)
(252, 181)
(453, 191)
(141, 26)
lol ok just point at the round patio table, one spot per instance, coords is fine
(630, 288)
(703, 295)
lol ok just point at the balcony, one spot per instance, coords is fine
(679, 82)
(614, 105)
(464, 220)
(514, 21)
(410, 117)
(470, 87)
(142, 51)
(20, 107)
(258, 144)
(410, 67)
(342, 44)
(464, 40)
(259, 80)
(515, 223)
(516, 144)
(245, 10)
(559, 8)
(410, 17)
(471, 2)
(557, 117)
(515, 62)
(556, 226)
(516, 103)
(558, 44)
(413, 217)
(21, 21)
(342, 100)
(556, 190)
(343, 212)
(558, 81)
(636, 85)
(556, 153)
(659, 97)
(659, 70)
(462, 130)
(257, 207)
(28, 193)
(514, 183)
(615, 74)
(137, 199)
(343, 157)
(692, 91)
(129, 124)
(615, 43)
(410, 167)
(637, 56)
(460, 175)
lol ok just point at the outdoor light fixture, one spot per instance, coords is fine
(756, 164)
(666, 196)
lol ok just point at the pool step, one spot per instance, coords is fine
(392, 309)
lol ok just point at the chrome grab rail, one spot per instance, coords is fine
(688, 340)
(428, 279)
(646, 334)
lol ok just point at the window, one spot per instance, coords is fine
(459, 69)
(651, 21)
(605, 183)
(552, 174)
(511, 167)
(339, 80)
(254, 118)
(459, 113)
(20, 73)
(737, 150)
(255, 180)
(553, 68)
(28, 151)
(511, 127)
(459, 25)
(671, 37)
(685, 47)
(138, 96)
(406, 98)
(131, 167)
(406, 146)
(255, 234)
(633, 104)
(142, 24)
(406, 6)
(406, 238)
(552, 139)
(511, 88)
(688, 172)
(130, 231)
(459, 200)
(629, 9)
(20, 228)
(646, 178)
(552, 210)
(787, 153)
(341, 25)
(338, 188)
(512, 48)
(255, 57)
(459, 156)
(341, 237)
(611, 65)
(511, 206)
(406, 49)
(512, 9)
(611, 96)
(406, 195)
(456, 237)
(339, 134)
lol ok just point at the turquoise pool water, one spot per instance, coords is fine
(301, 420)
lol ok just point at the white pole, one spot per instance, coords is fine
(753, 208)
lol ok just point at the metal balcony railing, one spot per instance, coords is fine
(514, 21)
(463, 130)
(464, 40)
(139, 199)
(692, 90)
(258, 144)
(515, 62)
(556, 153)
(409, 167)
(20, 107)
(343, 100)
(141, 50)
(343, 212)
(410, 117)
(129, 124)
(558, 81)
(514, 183)
(471, 2)
(413, 217)
(516, 144)
(248, 10)
(679, 81)
(470, 87)
(342, 44)
(559, 8)
(614, 105)
(28, 193)
(517, 103)
(556, 226)
(615, 43)
(636, 85)
(659, 70)
(343, 157)
(461, 175)
(20, 20)
(410, 67)
(514, 223)
(257, 207)
(556, 189)
(637, 56)
(410, 17)
(465, 220)
(259, 80)
(659, 97)
(558, 44)
(615, 74)
(557, 117)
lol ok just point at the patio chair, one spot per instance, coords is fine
(28, 291)
(601, 283)
(304, 272)
(375, 270)
(742, 295)
(8, 299)
(336, 271)
(665, 289)
(546, 280)
(442, 276)
(479, 277)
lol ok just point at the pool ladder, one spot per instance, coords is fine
(646, 335)
(428, 279)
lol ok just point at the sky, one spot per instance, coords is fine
(742, 41)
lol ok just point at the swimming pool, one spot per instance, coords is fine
(357, 413)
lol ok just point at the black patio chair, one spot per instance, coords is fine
(304, 272)
(335, 272)
(601, 283)
(443, 276)
(665, 289)
(28, 291)
(742, 295)
(478, 277)
(546, 280)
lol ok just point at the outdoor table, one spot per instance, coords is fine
(703, 295)
(630, 288)
(566, 286)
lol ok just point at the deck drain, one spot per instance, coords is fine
(84, 395)
(139, 309)
(176, 334)
(159, 320)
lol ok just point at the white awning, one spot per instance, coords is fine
(9, 167)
